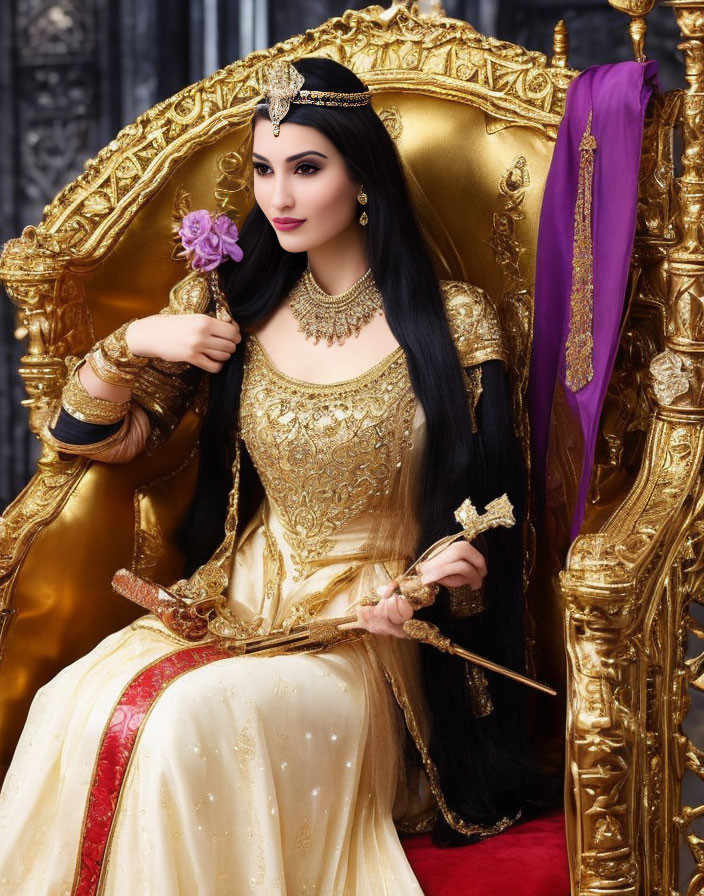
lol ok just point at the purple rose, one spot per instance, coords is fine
(229, 234)
(194, 227)
(208, 241)
(207, 252)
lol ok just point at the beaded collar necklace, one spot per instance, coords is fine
(334, 318)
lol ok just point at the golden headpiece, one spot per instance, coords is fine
(283, 87)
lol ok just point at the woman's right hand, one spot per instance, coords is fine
(197, 339)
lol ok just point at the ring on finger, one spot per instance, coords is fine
(416, 593)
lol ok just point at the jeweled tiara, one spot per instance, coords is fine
(283, 87)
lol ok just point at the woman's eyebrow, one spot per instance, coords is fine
(299, 155)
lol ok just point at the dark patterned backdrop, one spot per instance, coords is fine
(72, 72)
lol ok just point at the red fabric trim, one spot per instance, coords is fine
(115, 751)
(528, 859)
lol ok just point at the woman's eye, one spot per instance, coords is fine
(305, 169)
(310, 168)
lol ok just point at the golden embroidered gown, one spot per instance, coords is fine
(271, 775)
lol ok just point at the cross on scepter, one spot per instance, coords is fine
(498, 512)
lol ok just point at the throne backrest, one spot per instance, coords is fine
(474, 120)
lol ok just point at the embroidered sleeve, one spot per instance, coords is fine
(474, 323)
(164, 389)
(194, 294)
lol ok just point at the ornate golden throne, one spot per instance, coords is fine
(475, 120)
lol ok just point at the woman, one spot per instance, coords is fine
(343, 458)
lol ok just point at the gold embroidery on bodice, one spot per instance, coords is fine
(325, 453)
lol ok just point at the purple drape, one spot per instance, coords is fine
(617, 96)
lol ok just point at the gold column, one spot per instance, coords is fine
(685, 355)
(51, 314)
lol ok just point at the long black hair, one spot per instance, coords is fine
(481, 773)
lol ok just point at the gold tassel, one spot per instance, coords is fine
(580, 341)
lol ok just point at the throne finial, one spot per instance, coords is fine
(560, 45)
(637, 10)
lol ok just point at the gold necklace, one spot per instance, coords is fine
(335, 318)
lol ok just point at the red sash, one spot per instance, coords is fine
(116, 748)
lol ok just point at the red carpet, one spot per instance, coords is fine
(528, 860)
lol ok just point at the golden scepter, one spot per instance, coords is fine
(191, 621)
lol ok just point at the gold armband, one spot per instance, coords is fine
(79, 403)
(108, 372)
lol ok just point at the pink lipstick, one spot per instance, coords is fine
(287, 223)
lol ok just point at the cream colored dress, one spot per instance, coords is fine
(265, 775)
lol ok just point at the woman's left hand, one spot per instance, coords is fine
(460, 563)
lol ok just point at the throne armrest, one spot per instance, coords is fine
(626, 590)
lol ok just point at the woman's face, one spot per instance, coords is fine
(300, 176)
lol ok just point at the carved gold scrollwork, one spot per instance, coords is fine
(645, 561)
(392, 121)
(235, 192)
(515, 303)
(686, 313)
(685, 334)
(672, 376)
(690, 17)
(691, 672)
(656, 197)
(620, 590)
(633, 7)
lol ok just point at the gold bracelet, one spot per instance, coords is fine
(108, 372)
(115, 349)
(79, 403)
(89, 449)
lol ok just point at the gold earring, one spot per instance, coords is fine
(362, 199)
